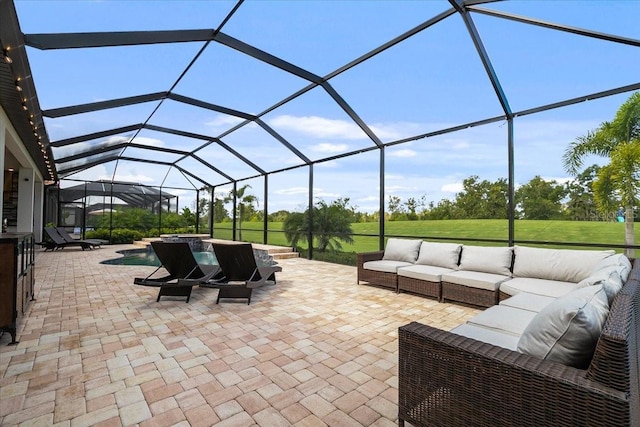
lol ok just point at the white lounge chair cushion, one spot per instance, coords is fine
(424, 272)
(528, 301)
(612, 279)
(405, 250)
(474, 279)
(490, 336)
(564, 265)
(385, 266)
(486, 259)
(439, 254)
(567, 330)
(504, 319)
(550, 288)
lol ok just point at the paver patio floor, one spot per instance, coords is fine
(316, 349)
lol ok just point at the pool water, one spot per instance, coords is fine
(146, 256)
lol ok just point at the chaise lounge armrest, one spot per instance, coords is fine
(449, 380)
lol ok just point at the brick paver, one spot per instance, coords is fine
(315, 349)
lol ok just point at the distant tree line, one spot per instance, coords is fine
(538, 199)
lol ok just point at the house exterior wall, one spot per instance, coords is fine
(30, 185)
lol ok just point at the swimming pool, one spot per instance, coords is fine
(146, 256)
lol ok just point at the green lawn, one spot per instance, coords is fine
(557, 231)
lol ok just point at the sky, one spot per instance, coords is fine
(434, 80)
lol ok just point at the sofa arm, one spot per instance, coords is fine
(369, 256)
(363, 257)
(448, 379)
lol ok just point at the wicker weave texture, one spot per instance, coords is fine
(372, 277)
(468, 295)
(420, 287)
(445, 379)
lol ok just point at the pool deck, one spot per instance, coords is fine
(316, 349)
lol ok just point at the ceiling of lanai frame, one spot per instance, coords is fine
(211, 92)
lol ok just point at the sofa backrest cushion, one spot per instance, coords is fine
(617, 260)
(611, 278)
(486, 259)
(565, 265)
(567, 330)
(439, 254)
(402, 250)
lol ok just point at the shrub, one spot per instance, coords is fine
(344, 258)
(120, 235)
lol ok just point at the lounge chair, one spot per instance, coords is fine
(57, 242)
(184, 271)
(95, 243)
(240, 273)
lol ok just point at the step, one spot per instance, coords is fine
(284, 255)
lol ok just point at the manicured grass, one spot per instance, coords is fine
(525, 230)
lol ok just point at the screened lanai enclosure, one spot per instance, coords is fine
(244, 112)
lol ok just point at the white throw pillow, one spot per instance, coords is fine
(439, 254)
(611, 278)
(486, 259)
(567, 330)
(565, 265)
(402, 250)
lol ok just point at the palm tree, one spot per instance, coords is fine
(331, 224)
(243, 201)
(618, 183)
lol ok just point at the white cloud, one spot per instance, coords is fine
(116, 139)
(224, 120)
(135, 178)
(319, 127)
(292, 160)
(152, 142)
(293, 191)
(329, 148)
(389, 189)
(368, 199)
(559, 180)
(403, 153)
(322, 193)
(328, 165)
(390, 176)
(396, 130)
(452, 188)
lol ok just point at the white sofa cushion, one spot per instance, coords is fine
(565, 265)
(405, 250)
(424, 272)
(490, 336)
(385, 266)
(503, 318)
(486, 259)
(474, 279)
(611, 278)
(619, 260)
(527, 301)
(567, 330)
(439, 254)
(550, 288)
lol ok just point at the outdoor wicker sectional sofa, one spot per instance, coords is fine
(475, 275)
(532, 360)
